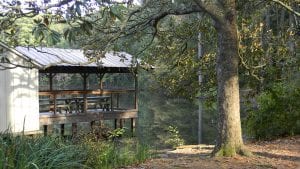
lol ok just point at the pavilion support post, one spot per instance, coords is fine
(136, 90)
(118, 100)
(45, 128)
(101, 123)
(62, 130)
(132, 126)
(85, 105)
(100, 76)
(50, 81)
(121, 123)
(111, 102)
(51, 76)
(54, 103)
(93, 126)
(74, 129)
(116, 123)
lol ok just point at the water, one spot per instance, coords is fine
(157, 112)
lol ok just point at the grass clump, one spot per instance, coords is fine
(39, 152)
(115, 152)
(22, 152)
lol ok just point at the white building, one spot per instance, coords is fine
(19, 99)
(19, 80)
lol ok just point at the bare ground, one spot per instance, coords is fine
(278, 154)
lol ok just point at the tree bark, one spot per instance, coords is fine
(229, 141)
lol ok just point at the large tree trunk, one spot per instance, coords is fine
(229, 141)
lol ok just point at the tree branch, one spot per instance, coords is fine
(153, 20)
(213, 8)
(287, 7)
(251, 69)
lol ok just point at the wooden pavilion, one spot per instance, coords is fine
(28, 108)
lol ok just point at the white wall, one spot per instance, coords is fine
(3, 100)
(19, 106)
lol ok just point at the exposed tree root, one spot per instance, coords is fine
(230, 151)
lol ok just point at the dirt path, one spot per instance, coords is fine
(279, 154)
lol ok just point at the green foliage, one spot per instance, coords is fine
(269, 67)
(39, 152)
(117, 11)
(42, 32)
(72, 33)
(174, 54)
(117, 133)
(118, 80)
(267, 46)
(174, 139)
(56, 153)
(142, 153)
(105, 155)
(278, 113)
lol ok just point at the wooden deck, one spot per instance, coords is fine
(91, 115)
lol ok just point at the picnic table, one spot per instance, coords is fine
(97, 101)
(75, 103)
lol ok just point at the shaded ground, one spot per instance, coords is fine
(280, 154)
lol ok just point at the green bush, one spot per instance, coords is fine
(112, 151)
(116, 134)
(174, 140)
(106, 155)
(278, 113)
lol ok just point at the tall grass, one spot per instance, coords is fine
(22, 152)
(114, 154)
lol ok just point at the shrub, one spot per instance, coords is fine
(108, 154)
(112, 151)
(116, 134)
(174, 140)
(278, 113)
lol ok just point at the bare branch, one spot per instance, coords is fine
(149, 43)
(287, 7)
(153, 20)
(251, 69)
(10, 65)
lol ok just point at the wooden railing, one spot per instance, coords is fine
(54, 95)
(78, 92)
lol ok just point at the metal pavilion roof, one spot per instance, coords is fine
(73, 57)
(73, 60)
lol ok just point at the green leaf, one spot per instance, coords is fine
(117, 11)
(37, 21)
(40, 31)
(54, 37)
(86, 27)
(69, 34)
